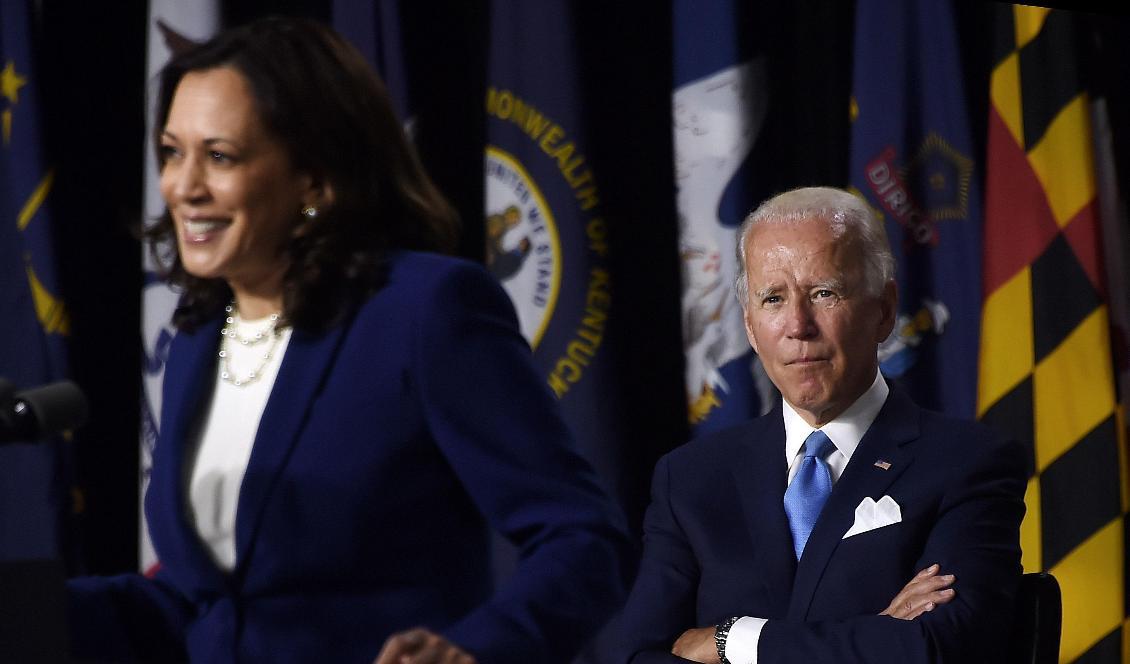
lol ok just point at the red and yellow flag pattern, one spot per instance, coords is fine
(1046, 373)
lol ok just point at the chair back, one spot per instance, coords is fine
(1036, 621)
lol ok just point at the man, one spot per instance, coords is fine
(785, 539)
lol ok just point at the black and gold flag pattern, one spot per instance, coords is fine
(1046, 374)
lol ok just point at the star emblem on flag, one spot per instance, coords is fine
(10, 84)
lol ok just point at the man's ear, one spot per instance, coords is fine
(747, 318)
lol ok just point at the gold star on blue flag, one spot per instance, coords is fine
(35, 322)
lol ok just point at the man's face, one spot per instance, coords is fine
(810, 318)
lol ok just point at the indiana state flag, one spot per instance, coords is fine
(912, 159)
(33, 320)
(718, 106)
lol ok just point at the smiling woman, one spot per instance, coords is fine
(231, 189)
(343, 414)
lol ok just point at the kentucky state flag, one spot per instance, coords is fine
(33, 320)
(912, 159)
(718, 106)
(546, 233)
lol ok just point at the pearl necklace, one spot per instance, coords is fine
(229, 334)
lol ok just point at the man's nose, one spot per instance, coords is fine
(800, 323)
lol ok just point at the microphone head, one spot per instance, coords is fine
(51, 408)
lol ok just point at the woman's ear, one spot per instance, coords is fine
(319, 194)
(316, 199)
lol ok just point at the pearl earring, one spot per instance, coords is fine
(310, 212)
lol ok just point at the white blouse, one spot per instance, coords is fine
(225, 436)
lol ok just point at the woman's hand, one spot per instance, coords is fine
(925, 591)
(419, 646)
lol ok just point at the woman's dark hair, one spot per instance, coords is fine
(318, 96)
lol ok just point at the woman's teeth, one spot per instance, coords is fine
(201, 227)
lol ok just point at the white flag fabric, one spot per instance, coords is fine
(719, 104)
(171, 22)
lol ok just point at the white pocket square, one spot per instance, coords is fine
(870, 515)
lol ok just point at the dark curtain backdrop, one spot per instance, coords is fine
(93, 62)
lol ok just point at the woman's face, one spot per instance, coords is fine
(229, 185)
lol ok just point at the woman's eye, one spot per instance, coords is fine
(167, 152)
(217, 156)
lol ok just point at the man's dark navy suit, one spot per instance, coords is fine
(717, 544)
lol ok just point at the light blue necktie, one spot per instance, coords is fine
(809, 489)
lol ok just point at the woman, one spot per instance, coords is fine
(343, 416)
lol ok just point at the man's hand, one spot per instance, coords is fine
(697, 645)
(925, 591)
(419, 646)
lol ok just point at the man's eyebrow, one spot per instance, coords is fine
(830, 284)
(762, 293)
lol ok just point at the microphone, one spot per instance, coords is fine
(41, 411)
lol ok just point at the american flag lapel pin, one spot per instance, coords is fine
(883, 464)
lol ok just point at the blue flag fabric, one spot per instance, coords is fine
(546, 234)
(34, 320)
(374, 28)
(912, 158)
(718, 105)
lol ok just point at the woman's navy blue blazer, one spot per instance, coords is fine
(389, 449)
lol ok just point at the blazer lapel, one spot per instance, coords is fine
(896, 424)
(307, 360)
(188, 377)
(760, 474)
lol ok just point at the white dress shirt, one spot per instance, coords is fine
(845, 432)
(225, 437)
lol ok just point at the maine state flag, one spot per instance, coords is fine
(912, 159)
(33, 320)
(718, 106)
(546, 233)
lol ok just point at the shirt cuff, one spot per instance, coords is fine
(741, 643)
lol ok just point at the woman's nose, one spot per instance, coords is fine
(185, 179)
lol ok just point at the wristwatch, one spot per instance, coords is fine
(721, 631)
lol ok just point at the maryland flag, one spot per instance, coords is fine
(1046, 374)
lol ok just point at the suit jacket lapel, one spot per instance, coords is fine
(188, 377)
(307, 360)
(760, 474)
(896, 425)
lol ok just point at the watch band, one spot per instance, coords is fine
(721, 632)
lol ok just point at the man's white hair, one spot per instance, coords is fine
(843, 211)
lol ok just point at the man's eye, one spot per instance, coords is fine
(771, 299)
(825, 296)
